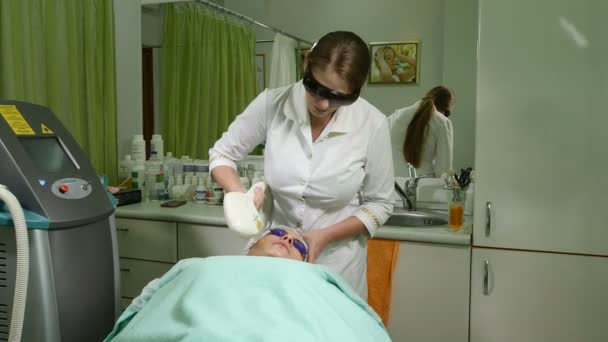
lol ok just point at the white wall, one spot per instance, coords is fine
(379, 20)
(460, 74)
(127, 32)
(151, 36)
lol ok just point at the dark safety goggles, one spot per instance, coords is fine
(300, 245)
(336, 99)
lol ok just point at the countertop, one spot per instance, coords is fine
(197, 213)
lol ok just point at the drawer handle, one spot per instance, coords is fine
(123, 229)
(486, 266)
(125, 270)
(488, 218)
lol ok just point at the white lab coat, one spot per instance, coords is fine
(437, 153)
(346, 172)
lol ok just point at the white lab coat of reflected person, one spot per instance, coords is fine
(346, 172)
(437, 150)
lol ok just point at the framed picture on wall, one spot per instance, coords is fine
(395, 62)
(260, 70)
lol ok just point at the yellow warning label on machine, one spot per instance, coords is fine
(45, 130)
(15, 120)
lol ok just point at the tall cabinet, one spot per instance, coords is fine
(539, 268)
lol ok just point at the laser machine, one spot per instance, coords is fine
(68, 289)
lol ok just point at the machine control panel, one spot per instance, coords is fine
(71, 188)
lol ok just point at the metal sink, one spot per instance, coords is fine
(419, 218)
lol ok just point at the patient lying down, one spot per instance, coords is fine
(271, 297)
(279, 242)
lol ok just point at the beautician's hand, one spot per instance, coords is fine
(317, 240)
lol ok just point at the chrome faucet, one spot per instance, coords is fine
(409, 192)
(411, 189)
(411, 170)
(407, 204)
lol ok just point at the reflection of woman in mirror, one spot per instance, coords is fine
(394, 65)
(428, 140)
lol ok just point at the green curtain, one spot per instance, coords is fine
(60, 54)
(207, 76)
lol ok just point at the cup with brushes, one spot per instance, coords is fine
(458, 185)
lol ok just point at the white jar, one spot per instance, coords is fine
(138, 176)
(156, 144)
(138, 147)
(125, 167)
(201, 191)
(188, 166)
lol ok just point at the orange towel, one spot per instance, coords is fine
(381, 260)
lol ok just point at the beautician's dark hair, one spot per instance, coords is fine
(343, 52)
(438, 98)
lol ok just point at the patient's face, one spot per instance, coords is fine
(277, 246)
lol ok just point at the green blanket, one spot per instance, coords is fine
(244, 298)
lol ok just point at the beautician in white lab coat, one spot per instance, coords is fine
(422, 134)
(327, 158)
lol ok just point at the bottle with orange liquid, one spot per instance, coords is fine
(456, 207)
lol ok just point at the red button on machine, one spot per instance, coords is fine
(63, 188)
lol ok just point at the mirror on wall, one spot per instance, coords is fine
(446, 32)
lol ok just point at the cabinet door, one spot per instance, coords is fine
(148, 240)
(538, 297)
(136, 274)
(541, 125)
(124, 303)
(430, 299)
(203, 241)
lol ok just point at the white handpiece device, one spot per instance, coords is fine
(241, 214)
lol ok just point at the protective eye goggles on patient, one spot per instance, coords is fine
(316, 89)
(300, 245)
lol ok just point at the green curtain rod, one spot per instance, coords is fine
(242, 17)
(160, 46)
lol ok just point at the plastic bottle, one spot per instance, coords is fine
(201, 166)
(177, 189)
(250, 172)
(178, 169)
(204, 176)
(125, 167)
(138, 148)
(201, 191)
(468, 199)
(245, 180)
(188, 166)
(168, 194)
(209, 185)
(138, 176)
(168, 163)
(156, 144)
(155, 179)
